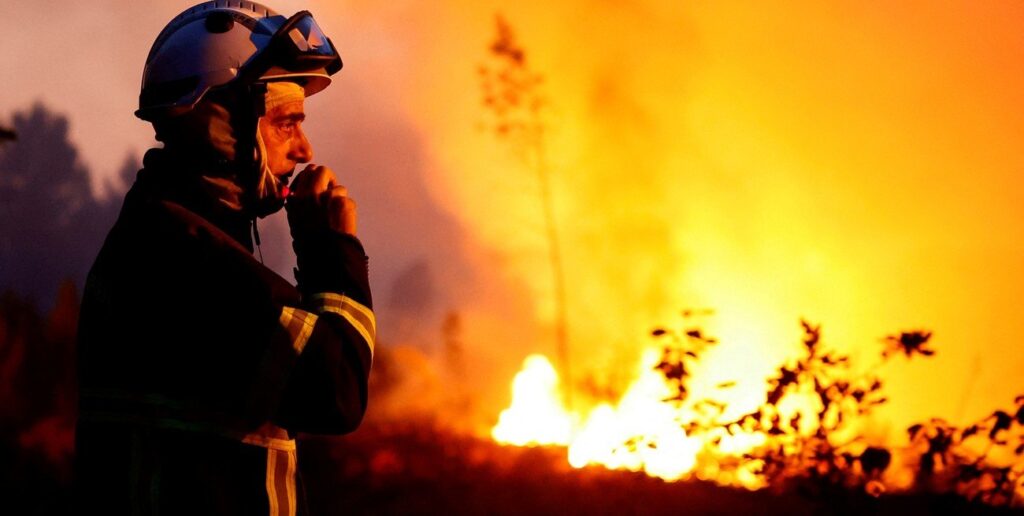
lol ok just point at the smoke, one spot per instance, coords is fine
(51, 226)
(851, 166)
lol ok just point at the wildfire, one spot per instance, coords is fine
(767, 177)
(642, 432)
(537, 415)
(807, 428)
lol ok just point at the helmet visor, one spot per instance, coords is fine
(299, 45)
(308, 39)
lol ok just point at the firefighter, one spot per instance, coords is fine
(198, 365)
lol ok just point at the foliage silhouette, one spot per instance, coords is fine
(983, 461)
(825, 455)
(51, 225)
(678, 355)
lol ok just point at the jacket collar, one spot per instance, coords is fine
(201, 188)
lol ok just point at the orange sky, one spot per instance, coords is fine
(856, 164)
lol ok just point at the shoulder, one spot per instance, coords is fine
(174, 217)
(172, 238)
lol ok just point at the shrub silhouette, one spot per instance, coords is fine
(827, 457)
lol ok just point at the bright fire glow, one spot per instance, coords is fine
(642, 432)
(536, 415)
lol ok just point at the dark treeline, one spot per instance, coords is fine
(51, 223)
(51, 227)
(37, 402)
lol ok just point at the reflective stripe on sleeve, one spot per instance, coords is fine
(280, 483)
(359, 316)
(299, 325)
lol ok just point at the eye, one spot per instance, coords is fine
(287, 128)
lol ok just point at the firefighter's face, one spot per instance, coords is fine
(285, 142)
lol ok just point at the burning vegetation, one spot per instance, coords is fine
(808, 435)
(810, 429)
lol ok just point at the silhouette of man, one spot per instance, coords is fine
(197, 364)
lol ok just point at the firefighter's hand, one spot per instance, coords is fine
(318, 201)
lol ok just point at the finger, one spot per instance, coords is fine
(342, 214)
(338, 191)
(337, 203)
(303, 183)
(324, 180)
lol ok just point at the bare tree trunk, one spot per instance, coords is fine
(557, 274)
(512, 94)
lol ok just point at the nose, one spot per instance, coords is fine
(301, 151)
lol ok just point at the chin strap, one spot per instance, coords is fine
(247, 151)
(256, 238)
(250, 108)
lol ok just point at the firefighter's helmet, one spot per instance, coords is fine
(222, 43)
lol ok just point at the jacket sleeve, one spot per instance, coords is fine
(326, 392)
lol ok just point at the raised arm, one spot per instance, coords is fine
(335, 328)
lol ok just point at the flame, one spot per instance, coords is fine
(656, 445)
(536, 415)
(641, 432)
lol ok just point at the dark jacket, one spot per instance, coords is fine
(198, 365)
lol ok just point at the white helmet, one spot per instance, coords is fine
(232, 42)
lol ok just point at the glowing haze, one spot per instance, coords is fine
(855, 164)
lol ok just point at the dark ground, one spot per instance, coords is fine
(411, 468)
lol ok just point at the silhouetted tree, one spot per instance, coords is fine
(514, 99)
(51, 225)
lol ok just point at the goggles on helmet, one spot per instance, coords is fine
(299, 45)
(200, 49)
